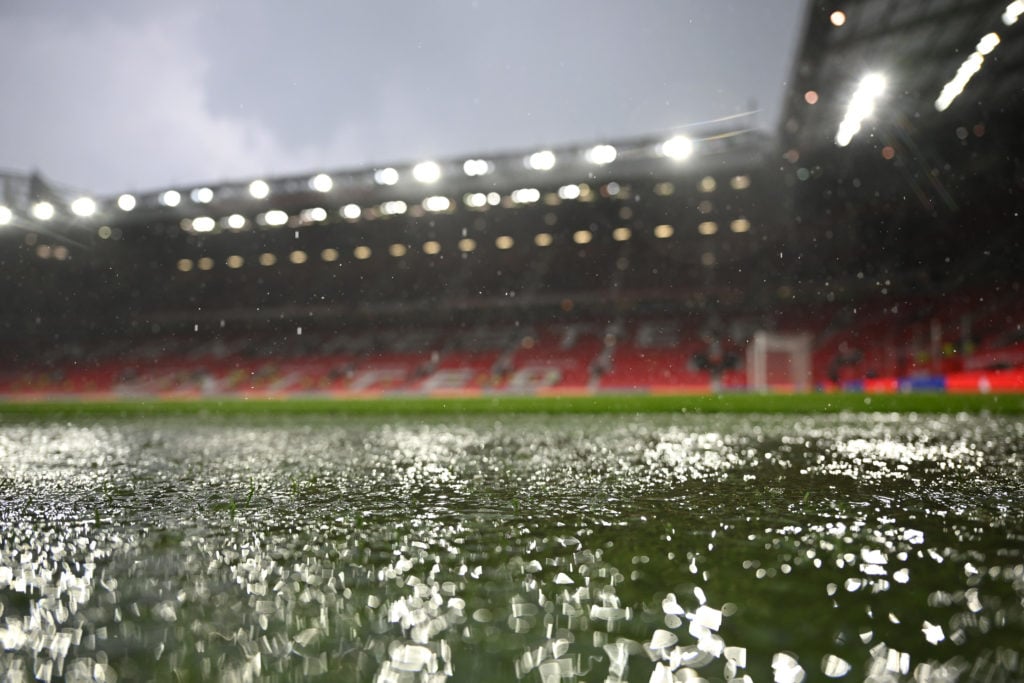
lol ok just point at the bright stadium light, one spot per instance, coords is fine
(315, 215)
(83, 207)
(861, 107)
(170, 198)
(541, 161)
(126, 202)
(394, 208)
(6, 215)
(970, 66)
(385, 176)
(236, 221)
(476, 167)
(202, 195)
(526, 195)
(677, 148)
(426, 172)
(275, 217)
(475, 200)
(351, 211)
(988, 42)
(1013, 12)
(203, 224)
(601, 154)
(569, 192)
(437, 204)
(43, 211)
(259, 189)
(321, 182)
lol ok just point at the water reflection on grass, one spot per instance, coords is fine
(521, 547)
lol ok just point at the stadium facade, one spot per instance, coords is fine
(872, 242)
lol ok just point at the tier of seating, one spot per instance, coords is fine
(970, 344)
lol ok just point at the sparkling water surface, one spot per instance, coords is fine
(535, 548)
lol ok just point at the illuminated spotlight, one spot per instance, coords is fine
(321, 182)
(275, 218)
(397, 250)
(267, 259)
(203, 224)
(862, 105)
(476, 167)
(126, 202)
(83, 206)
(526, 195)
(170, 198)
(259, 189)
(569, 192)
(504, 242)
(431, 247)
(329, 255)
(385, 176)
(437, 204)
(6, 215)
(582, 236)
(363, 252)
(298, 257)
(707, 228)
(541, 161)
(185, 265)
(202, 195)
(493, 198)
(1013, 12)
(475, 200)
(740, 225)
(740, 182)
(601, 154)
(663, 231)
(467, 244)
(234, 261)
(236, 221)
(621, 234)
(351, 212)
(707, 184)
(955, 87)
(394, 208)
(988, 42)
(427, 172)
(541, 239)
(43, 211)
(205, 263)
(677, 148)
(838, 18)
(314, 215)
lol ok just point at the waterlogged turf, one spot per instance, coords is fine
(540, 548)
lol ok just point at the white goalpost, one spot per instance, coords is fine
(779, 361)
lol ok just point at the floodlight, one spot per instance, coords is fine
(426, 172)
(6, 215)
(385, 176)
(43, 211)
(321, 182)
(126, 202)
(259, 189)
(275, 217)
(351, 211)
(83, 207)
(541, 161)
(236, 221)
(202, 195)
(476, 167)
(170, 198)
(602, 154)
(203, 224)
(436, 204)
(677, 148)
(569, 192)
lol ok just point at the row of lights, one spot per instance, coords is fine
(465, 245)
(974, 61)
(442, 204)
(677, 148)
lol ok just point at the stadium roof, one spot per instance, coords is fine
(926, 59)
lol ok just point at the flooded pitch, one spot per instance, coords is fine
(537, 548)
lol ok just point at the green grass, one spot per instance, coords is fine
(603, 403)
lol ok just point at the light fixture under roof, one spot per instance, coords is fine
(83, 207)
(541, 161)
(861, 106)
(427, 172)
(43, 211)
(385, 176)
(321, 182)
(602, 154)
(677, 148)
(126, 202)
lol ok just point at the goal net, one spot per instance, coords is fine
(779, 362)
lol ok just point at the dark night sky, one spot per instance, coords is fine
(113, 96)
